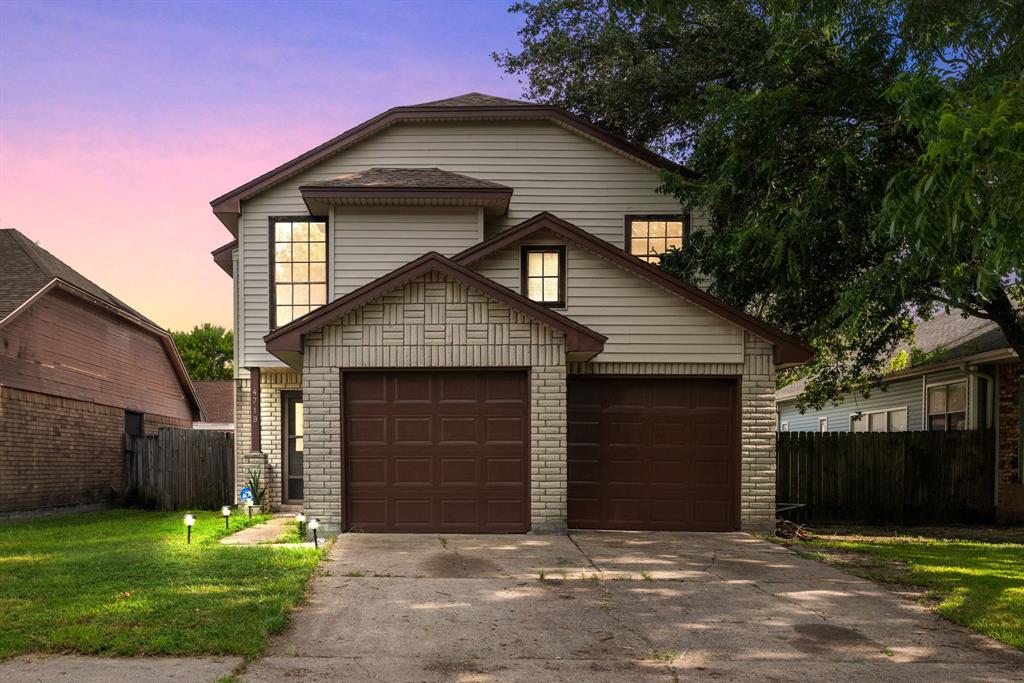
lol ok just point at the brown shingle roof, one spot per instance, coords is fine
(218, 399)
(472, 99)
(408, 178)
(27, 268)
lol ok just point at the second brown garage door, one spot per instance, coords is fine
(436, 451)
(653, 453)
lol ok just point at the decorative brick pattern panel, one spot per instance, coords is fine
(1011, 490)
(757, 445)
(58, 452)
(433, 322)
(269, 461)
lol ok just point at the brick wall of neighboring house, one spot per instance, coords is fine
(57, 452)
(153, 423)
(1011, 490)
(757, 455)
(434, 323)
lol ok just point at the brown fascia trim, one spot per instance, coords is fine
(222, 257)
(788, 350)
(289, 338)
(228, 206)
(163, 336)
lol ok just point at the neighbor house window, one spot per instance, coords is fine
(543, 275)
(298, 255)
(947, 407)
(784, 427)
(822, 424)
(890, 420)
(134, 423)
(648, 237)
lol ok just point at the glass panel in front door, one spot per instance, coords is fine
(294, 438)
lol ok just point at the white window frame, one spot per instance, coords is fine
(822, 424)
(866, 417)
(784, 426)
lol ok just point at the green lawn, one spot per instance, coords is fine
(975, 583)
(125, 582)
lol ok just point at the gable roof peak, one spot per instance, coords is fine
(288, 340)
(28, 268)
(473, 99)
(788, 350)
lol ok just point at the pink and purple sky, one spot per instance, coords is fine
(120, 121)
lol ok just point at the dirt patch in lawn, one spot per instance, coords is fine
(950, 532)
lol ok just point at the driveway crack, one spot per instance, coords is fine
(584, 554)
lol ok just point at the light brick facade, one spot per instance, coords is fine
(57, 452)
(269, 461)
(432, 322)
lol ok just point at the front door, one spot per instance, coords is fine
(292, 465)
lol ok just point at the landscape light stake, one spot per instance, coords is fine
(301, 519)
(189, 521)
(314, 524)
(248, 506)
(226, 511)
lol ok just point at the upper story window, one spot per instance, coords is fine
(648, 237)
(298, 254)
(947, 407)
(543, 275)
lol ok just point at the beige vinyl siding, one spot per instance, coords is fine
(369, 243)
(549, 167)
(643, 322)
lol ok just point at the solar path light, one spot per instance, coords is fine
(189, 522)
(226, 511)
(314, 524)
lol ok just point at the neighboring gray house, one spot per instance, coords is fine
(971, 379)
(448, 319)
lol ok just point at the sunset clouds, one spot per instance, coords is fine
(120, 121)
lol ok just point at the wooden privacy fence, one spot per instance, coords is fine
(180, 469)
(894, 478)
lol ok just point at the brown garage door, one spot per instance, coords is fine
(648, 453)
(436, 451)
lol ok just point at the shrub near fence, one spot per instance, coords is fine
(894, 478)
(180, 469)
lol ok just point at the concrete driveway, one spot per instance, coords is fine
(611, 606)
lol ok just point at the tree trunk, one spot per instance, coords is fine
(1010, 320)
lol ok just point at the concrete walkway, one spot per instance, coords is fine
(81, 669)
(268, 532)
(610, 607)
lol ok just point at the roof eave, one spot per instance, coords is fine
(227, 207)
(289, 339)
(223, 256)
(788, 351)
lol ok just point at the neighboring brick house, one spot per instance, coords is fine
(449, 318)
(218, 400)
(78, 368)
(967, 377)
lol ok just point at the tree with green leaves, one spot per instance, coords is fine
(860, 161)
(207, 351)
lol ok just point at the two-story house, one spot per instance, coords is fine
(450, 318)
